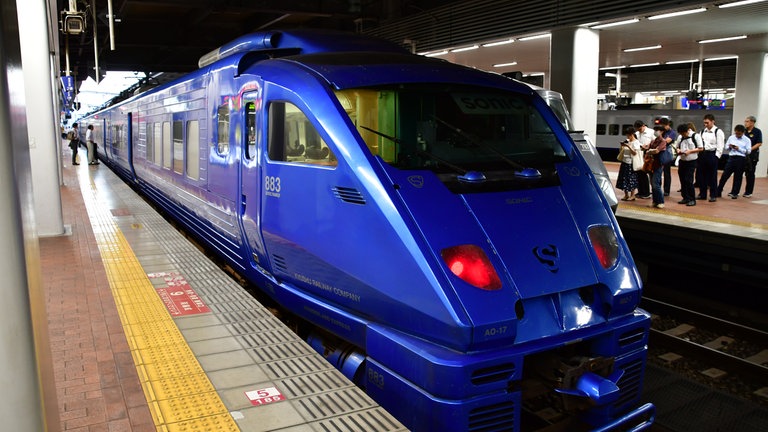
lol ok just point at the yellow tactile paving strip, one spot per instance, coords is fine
(180, 395)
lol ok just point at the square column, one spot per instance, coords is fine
(751, 98)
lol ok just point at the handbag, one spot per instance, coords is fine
(648, 163)
(637, 161)
(665, 157)
(620, 156)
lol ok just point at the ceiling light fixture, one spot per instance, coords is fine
(436, 53)
(681, 61)
(678, 13)
(505, 64)
(614, 24)
(612, 67)
(541, 36)
(497, 43)
(721, 58)
(730, 38)
(467, 48)
(739, 3)
(645, 48)
(644, 65)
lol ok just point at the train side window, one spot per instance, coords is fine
(178, 147)
(150, 144)
(613, 129)
(193, 149)
(624, 127)
(158, 143)
(601, 129)
(250, 124)
(223, 125)
(293, 138)
(167, 145)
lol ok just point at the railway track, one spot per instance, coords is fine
(720, 353)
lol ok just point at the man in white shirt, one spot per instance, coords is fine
(706, 170)
(740, 146)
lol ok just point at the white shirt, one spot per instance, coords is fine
(646, 137)
(88, 135)
(686, 143)
(713, 140)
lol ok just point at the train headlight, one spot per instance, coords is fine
(472, 265)
(605, 244)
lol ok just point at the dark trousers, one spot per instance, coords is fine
(74, 151)
(667, 178)
(685, 171)
(749, 172)
(643, 183)
(706, 174)
(734, 166)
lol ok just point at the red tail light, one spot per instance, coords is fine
(605, 244)
(472, 265)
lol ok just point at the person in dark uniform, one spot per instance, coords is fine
(706, 170)
(645, 136)
(756, 137)
(74, 142)
(670, 136)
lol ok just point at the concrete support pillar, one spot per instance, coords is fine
(44, 137)
(752, 99)
(26, 372)
(574, 63)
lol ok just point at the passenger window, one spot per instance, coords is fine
(613, 129)
(223, 126)
(601, 129)
(250, 124)
(167, 145)
(178, 148)
(193, 149)
(158, 143)
(293, 138)
(624, 127)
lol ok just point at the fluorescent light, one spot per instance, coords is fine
(497, 43)
(681, 61)
(720, 58)
(436, 53)
(505, 64)
(730, 38)
(532, 74)
(527, 38)
(642, 48)
(678, 13)
(612, 67)
(644, 65)
(739, 3)
(616, 23)
(467, 48)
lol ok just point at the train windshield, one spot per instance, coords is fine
(453, 130)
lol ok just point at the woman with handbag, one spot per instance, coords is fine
(657, 146)
(630, 149)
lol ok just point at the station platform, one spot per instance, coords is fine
(147, 334)
(741, 217)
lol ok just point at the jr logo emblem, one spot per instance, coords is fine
(416, 181)
(548, 256)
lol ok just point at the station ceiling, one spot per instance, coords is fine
(171, 35)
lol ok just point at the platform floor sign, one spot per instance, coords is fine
(264, 396)
(177, 295)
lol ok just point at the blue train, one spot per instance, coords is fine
(434, 225)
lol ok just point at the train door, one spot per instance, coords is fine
(104, 150)
(130, 144)
(250, 177)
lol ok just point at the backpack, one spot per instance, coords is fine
(71, 135)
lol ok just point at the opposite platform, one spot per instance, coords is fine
(741, 217)
(148, 334)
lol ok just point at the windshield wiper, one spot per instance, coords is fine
(471, 176)
(479, 143)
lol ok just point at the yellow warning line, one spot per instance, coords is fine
(180, 395)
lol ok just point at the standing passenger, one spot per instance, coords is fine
(627, 180)
(756, 137)
(74, 142)
(739, 146)
(706, 173)
(90, 145)
(669, 136)
(688, 146)
(658, 145)
(644, 136)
